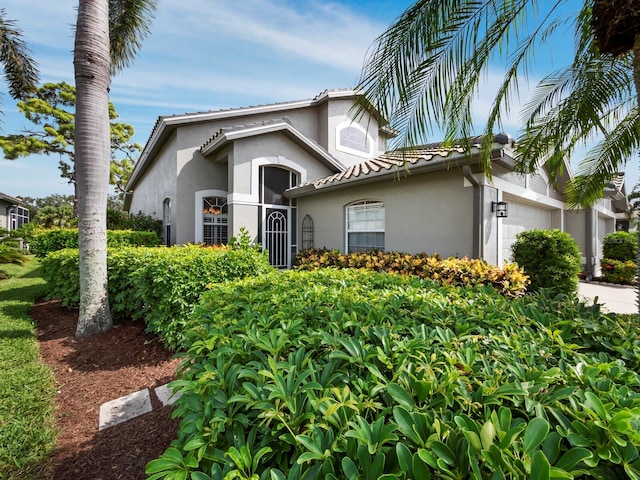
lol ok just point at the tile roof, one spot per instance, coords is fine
(389, 161)
(432, 154)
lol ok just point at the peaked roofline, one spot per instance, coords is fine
(226, 135)
(165, 125)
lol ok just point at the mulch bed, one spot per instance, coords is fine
(95, 370)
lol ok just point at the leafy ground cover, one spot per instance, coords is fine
(27, 389)
(359, 375)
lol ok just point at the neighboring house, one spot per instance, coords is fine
(13, 213)
(309, 174)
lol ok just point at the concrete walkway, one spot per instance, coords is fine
(613, 298)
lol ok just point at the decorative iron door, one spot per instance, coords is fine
(276, 237)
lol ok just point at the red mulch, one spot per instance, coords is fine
(95, 370)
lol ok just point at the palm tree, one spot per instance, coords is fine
(20, 70)
(108, 35)
(425, 71)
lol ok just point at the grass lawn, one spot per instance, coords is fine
(27, 388)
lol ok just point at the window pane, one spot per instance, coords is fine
(275, 181)
(352, 137)
(365, 226)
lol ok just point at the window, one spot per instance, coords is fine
(274, 181)
(307, 232)
(214, 220)
(354, 139)
(365, 226)
(166, 221)
(19, 216)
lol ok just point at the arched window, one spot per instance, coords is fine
(214, 220)
(365, 226)
(166, 221)
(354, 139)
(307, 232)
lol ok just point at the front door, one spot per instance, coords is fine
(276, 236)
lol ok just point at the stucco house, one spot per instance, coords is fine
(13, 213)
(309, 173)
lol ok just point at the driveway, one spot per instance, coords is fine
(614, 298)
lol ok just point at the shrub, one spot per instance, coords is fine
(160, 286)
(356, 374)
(621, 246)
(464, 272)
(121, 220)
(616, 271)
(10, 254)
(551, 258)
(48, 241)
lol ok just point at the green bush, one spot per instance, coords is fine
(617, 271)
(160, 286)
(621, 246)
(551, 258)
(361, 375)
(121, 220)
(48, 241)
(464, 272)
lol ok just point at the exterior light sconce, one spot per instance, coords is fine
(501, 209)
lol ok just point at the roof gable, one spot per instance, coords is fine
(229, 134)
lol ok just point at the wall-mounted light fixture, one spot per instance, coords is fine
(500, 208)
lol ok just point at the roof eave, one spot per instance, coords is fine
(421, 166)
(284, 127)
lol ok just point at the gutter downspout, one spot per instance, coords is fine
(478, 202)
(589, 248)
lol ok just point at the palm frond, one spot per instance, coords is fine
(129, 24)
(20, 68)
(605, 161)
(425, 70)
(590, 99)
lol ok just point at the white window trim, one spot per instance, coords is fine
(351, 151)
(199, 227)
(346, 221)
(253, 198)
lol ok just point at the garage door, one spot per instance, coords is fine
(522, 217)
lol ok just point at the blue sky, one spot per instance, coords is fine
(209, 54)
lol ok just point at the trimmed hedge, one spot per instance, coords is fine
(56, 239)
(551, 258)
(345, 374)
(160, 286)
(621, 246)
(463, 272)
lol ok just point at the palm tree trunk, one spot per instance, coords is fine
(93, 76)
(636, 80)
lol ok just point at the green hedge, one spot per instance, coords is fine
(56, 239)
(160, 285)
(551, 258)
(621, 246)
(464, 272)
(361, 375)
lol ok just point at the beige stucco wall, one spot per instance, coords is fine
(339, 112)
(423, 213)
(158, 183)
